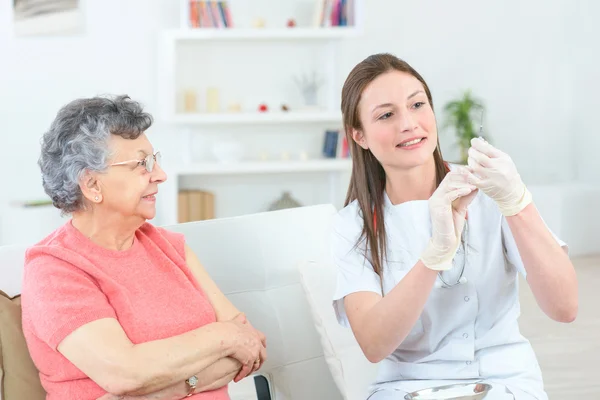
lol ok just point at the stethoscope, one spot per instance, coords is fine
(442, 283)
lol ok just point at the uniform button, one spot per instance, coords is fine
(467, 298)
(465, 335)
(468, 362)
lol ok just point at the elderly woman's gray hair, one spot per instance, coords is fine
(78, 141)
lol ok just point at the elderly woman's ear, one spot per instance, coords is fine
(90, 187)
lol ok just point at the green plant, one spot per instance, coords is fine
(464, 116)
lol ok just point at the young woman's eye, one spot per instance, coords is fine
(386, 115)
(419, 104)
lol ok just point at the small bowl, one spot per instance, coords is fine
(461, 391)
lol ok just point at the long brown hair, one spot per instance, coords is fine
(367, 181)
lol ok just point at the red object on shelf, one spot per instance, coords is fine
(263, 108)
(291, 23)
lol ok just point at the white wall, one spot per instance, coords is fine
(534, 63)
(517, 56)
(585, 119)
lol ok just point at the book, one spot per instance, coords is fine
(330, 13)
(195, 205)
(209, 14)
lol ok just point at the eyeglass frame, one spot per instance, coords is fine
(148, 162)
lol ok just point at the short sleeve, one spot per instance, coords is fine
(512, 251)
(354, 274)
(58, 298)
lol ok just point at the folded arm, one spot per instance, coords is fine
(103, 352)
(214, 377)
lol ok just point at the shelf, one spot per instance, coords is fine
(262, 33)
(256, 117)
(264, 167)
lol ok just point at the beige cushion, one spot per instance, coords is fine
(351, 371)
(19, 378)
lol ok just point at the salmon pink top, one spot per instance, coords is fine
(70, 281)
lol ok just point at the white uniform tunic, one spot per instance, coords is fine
(465, 332)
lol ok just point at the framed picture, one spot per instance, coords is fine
(47, 17)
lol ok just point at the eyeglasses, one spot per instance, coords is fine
(148, 162)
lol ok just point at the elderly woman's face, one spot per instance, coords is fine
(129, 188)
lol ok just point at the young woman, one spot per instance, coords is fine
(428, 253)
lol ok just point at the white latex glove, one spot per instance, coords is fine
(448, 207)
(495, 174)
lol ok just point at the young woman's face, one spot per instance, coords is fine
(398, 122)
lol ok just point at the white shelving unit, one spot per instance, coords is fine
(250, 34)
(264, 167)
(255, 118)
(184, 123)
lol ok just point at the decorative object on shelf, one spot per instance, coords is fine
(303, 156)
(285, 201)
(263, 107)
(291, 23)
(212, 100)
(263, 156)
(189, 102)
(258, 22)
(285, 156)
(234, 107)
(309, 86)
(228, 152)
(465, 116)
(285, 107)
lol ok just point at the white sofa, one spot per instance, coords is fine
(255, 261)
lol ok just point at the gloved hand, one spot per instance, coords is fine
(495, 174)
(448, 207)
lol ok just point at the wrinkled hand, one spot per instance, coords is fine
(251, 347)
(448, 207)
(263, 339)
(496, 175)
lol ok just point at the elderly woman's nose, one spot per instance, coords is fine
(158, 174)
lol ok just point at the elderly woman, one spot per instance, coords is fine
(114, 307)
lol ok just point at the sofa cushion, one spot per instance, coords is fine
(19, 378)
(351, 370)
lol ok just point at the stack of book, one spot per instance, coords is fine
(209, 14)
(334, 13)
(335, 145)
(195, 205)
